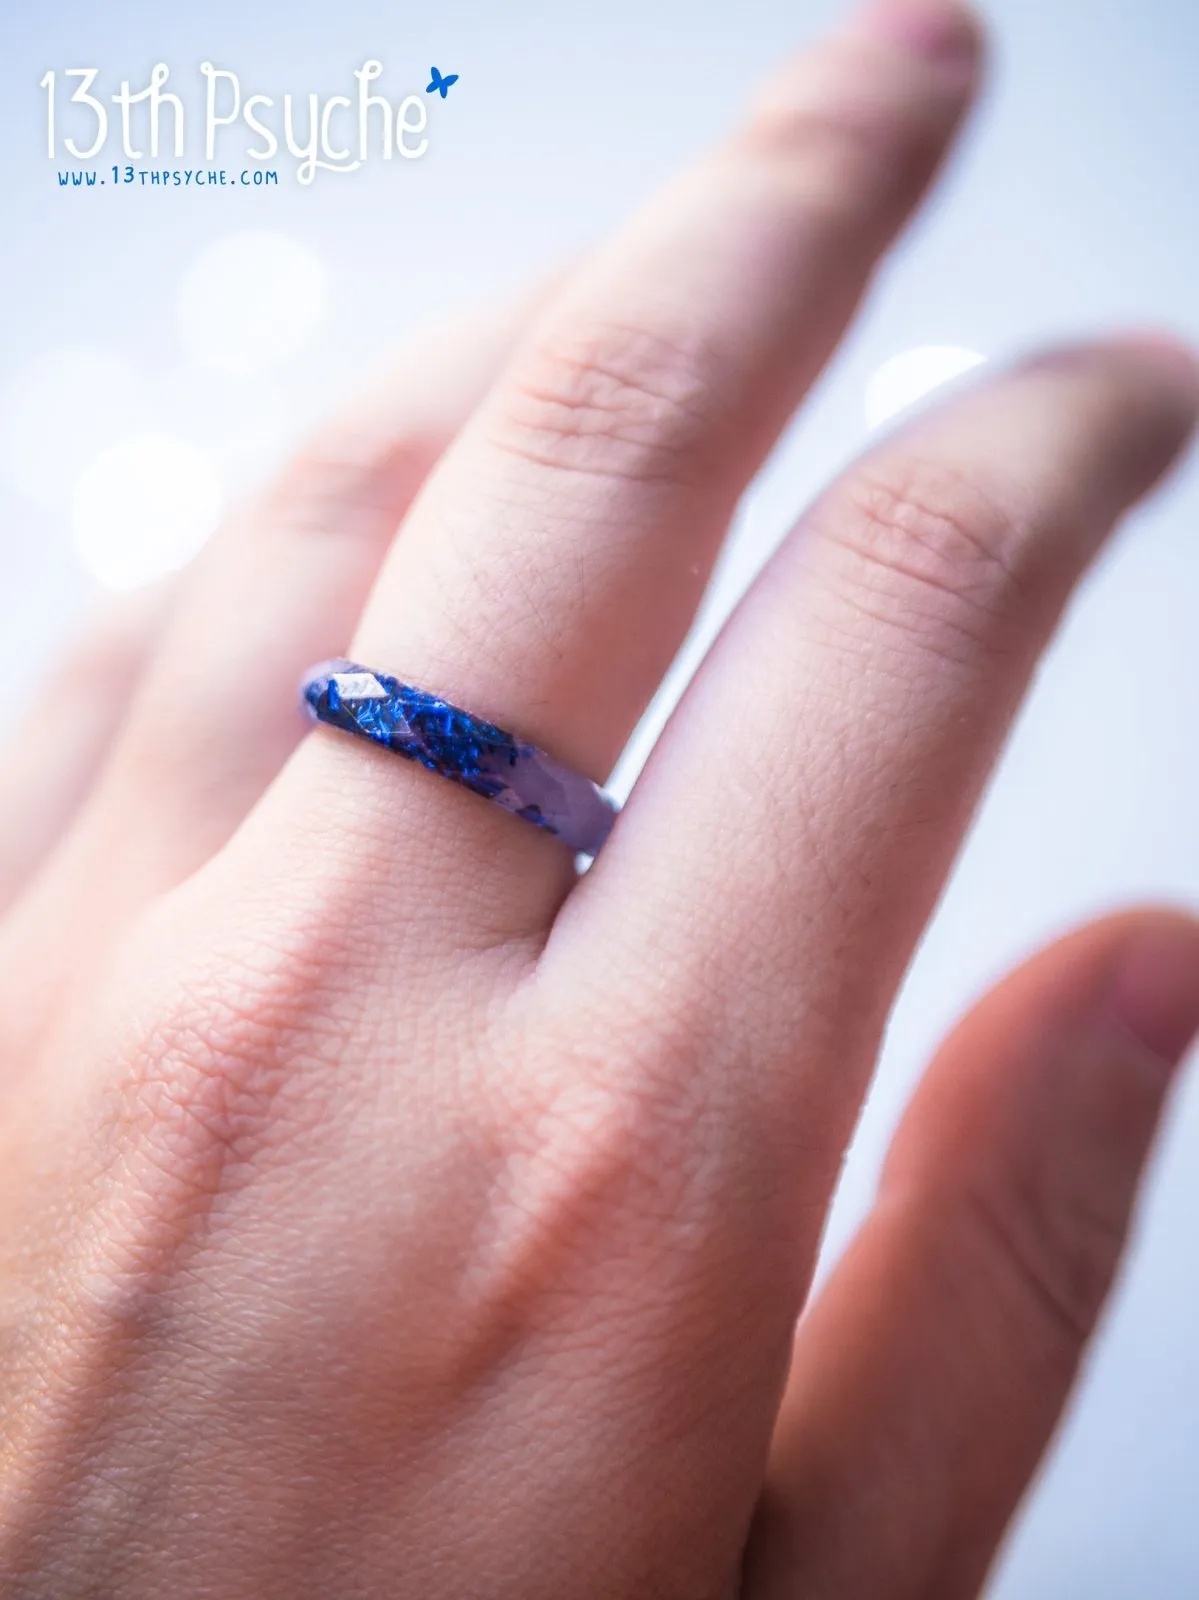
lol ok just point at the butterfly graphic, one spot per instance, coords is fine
(441, 85)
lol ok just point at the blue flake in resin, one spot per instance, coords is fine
(463, 748)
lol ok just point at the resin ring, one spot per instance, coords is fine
(463, 748)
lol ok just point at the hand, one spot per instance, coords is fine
(387, 1211)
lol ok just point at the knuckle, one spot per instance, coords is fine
(277, 1026)
(1053, 1248)
(849, 133)
(611, 399)
(601, 1135)
(347, 483)
(933, 553)
(834, 151)
(235, 1061)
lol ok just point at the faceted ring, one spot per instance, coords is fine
(462, 747)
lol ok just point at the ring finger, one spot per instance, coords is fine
(553, 561)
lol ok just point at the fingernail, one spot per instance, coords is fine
(1168, 349)
(1155, 988)
(943, 30)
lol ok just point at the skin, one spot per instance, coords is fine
(385, 1211)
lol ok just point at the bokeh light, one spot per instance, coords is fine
(242, 424)
(907, 378)
(249, 301)
(143, 508)
(58, 411)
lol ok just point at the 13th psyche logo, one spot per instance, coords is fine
(215, 117)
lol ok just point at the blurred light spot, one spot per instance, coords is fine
(58, 411)
(143, 508)
(249, 301)
(906, 378)
(241, 424)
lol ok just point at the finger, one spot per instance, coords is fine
(796, 822)
(552, 564)
(63, 737)
(930, 1374)
(281, 585)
